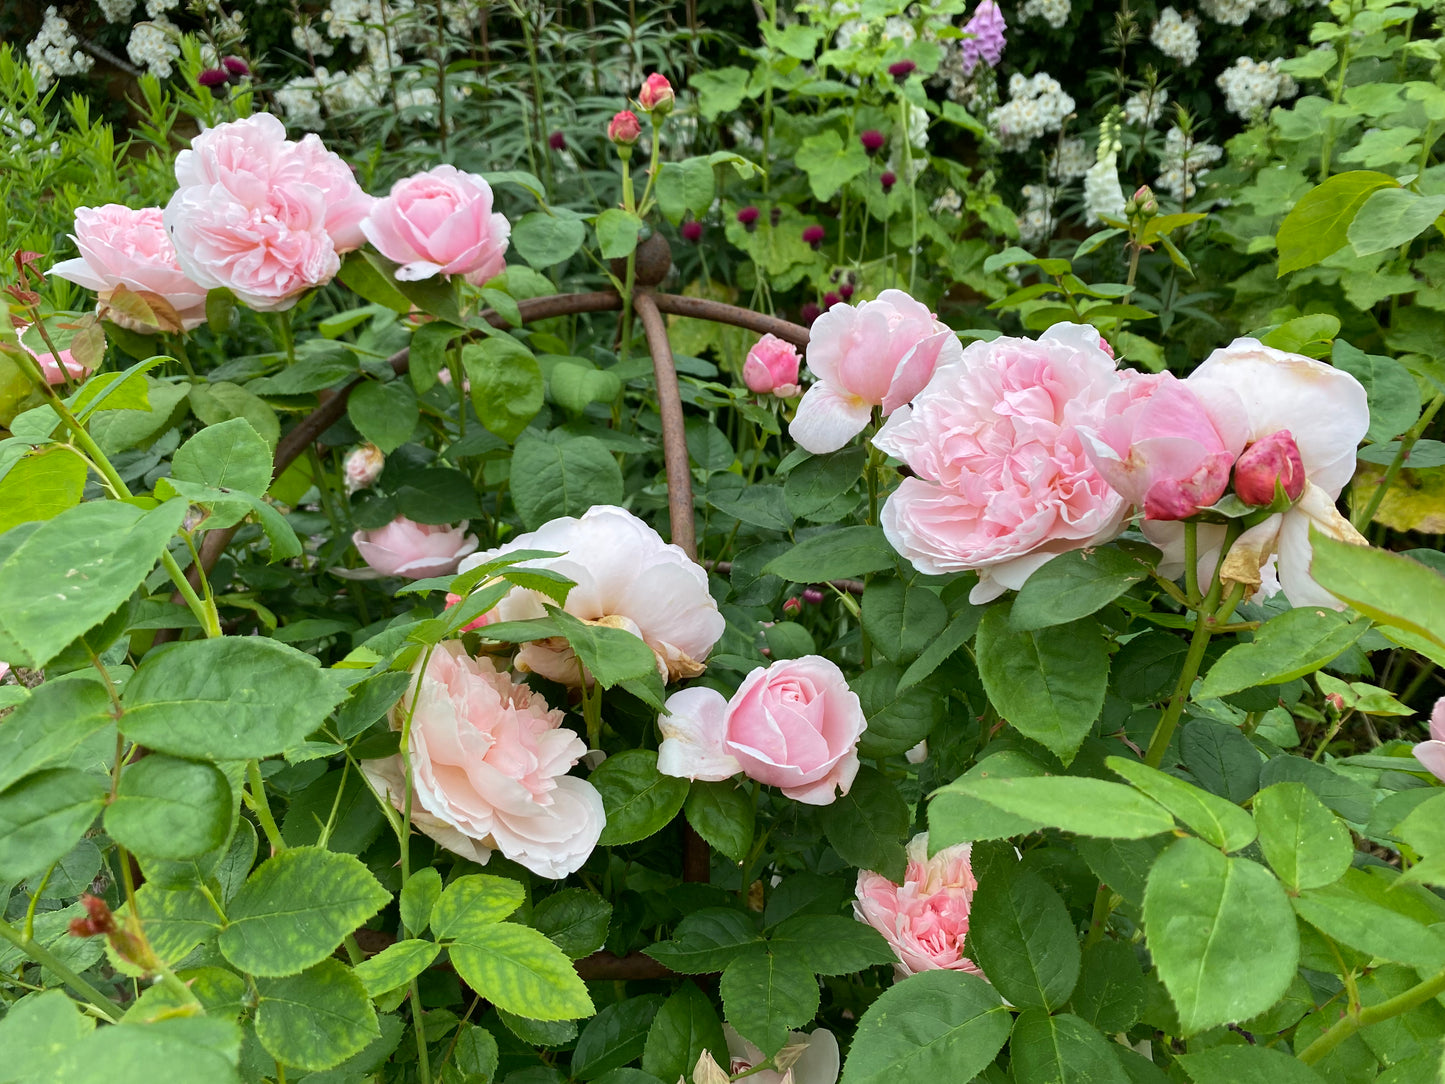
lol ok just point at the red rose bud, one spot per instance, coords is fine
(809, 313)
(656, 94)
(845, 291)
(901, 70)
(814, 235)
(624, 129)
(888, 180)
(792, 607)
(872, 141)
(1335, 700)
(556, 141)
(1275, 459)
(692, 231)
(748, 216)
(830, 299)
(236, 67)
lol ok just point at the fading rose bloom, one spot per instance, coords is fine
(489, 764)
(414, 551)
(440, 222)
(1326, 412)
(121, 247)
(55, 372)
(772, 368)
(362, 467)
(794, 725)
(1158, 447)
(810, 1058)
(925, 919)
(875, 354)
(1002, 482)
(628, 578)
(1432, 753)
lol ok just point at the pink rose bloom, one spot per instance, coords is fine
(122, 247)
(875, 354)
(793, 724)
(772, 368)
(346, 203)
(987, 40)
(925, 919)
(440, 222)
(1159, 448)
(414, 550)
(1267, 463)
(362, 467)
(1003, 483)
(626, 577)
(1432, 753)
(1262, 391)
(55, 372)
(489, 764)
(809, 1059)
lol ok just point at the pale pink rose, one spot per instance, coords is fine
(1267, 463)
(440, 222)
(55, 372)
(1432, 753)
(1264, 391)
(810, 1058)
(488, 618)
(362, 467)
(122, 247)
(925, 919)
(415, 550)
(1002, 482)
(489, 764)
(772, 368)
(626, 577)
(875, 354)
(793, 724)
(1158, 447)
(347, 205)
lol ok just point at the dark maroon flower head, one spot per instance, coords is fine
(901, 70)
(812, 596)
(236, 67)
(888, 180)
(692, 231)
(872, 140)
(748, 216)
(557, 141)
(775, 216)
(814, 235)
(809, 313)
(846, 290)
(830, 299)
(213, 77)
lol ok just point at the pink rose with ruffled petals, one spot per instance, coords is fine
(121, 247)
(794, 725)
(440, 222)
(771, 368)
(346, 203)
(1159, 448)
(415, 550)
(1432, 753)
(489, 764)
(55, 372)
(1002, 481)
(875, 354)
(925, 919)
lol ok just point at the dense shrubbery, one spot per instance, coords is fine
(853, 559)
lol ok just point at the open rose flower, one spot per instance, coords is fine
(925, 919)
(55, 372)
(1002, 481)
(489, 764)
(120, 247)
(794, 725)
(771, 368)
(415, 550)
(875, 354)
(440, 222)
(1432, 753)
(1324, 411)
(808, 1058)
(628, 578)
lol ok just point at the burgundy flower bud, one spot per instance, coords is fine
(830, 299)
(888, 180)
(809, 313)
(812, 596)
(748, 216)
(814, 235)
(1275, 459)
(872, 141)
(236, 67)
(624, 129)
(557, 141)
(656, 94)
(692, 231)
(213, 77)
(901, 70)
(845, 291)
(775, 216)
(98, 918)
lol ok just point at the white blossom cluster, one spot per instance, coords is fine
(1228, 12)
(1053, 12)
(1146, 107)
(1176, 36)
(1036, 105)
(156, 8)
(116, 11)
(948, 203)
(310, 41)
(1071, 160)
(1251, 87)
(1037, 221)
(1103, 196)
(53, 53)
(154, 46)
(1184, 161)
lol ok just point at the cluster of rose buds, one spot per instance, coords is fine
(655, 98)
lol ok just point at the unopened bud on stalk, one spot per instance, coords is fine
(625, 129)
(363, 467)
(656, 95)
(1275, 459)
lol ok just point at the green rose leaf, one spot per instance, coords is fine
(384, 414)
(707, 941)
(474, 901)
(617, 233)
(683, 1028)
(1317, 225)
(722, 813)
(558, 474)
(1217, 821)
(639, 799)
(1304, 843)
(1020, 933)
(1074, 585)
(867, 825)
(614, 1037)
(396, 965)
(1295, 643)
(546, 240)
(519, 970)
(1060, 1049)
(317, 1019)
(1089, 807)
(1247, 1065)
(902, 619)
(43, 816)
(170, 808)
(765, 996)
(575, 920)
(836, 554)
(506, 384)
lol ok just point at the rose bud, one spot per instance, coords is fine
(692, 231)
(362, 467)
(872, 141)
(489, 618)
(748, 216)
(808, 313)
(557, 141)
(656, 94)
(793, 606)
(901, 70)
(98, 918)
(624, 129)
(1146, 202)
(814, 235)
(1274, 459)
(771, 368)
(888, 180)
